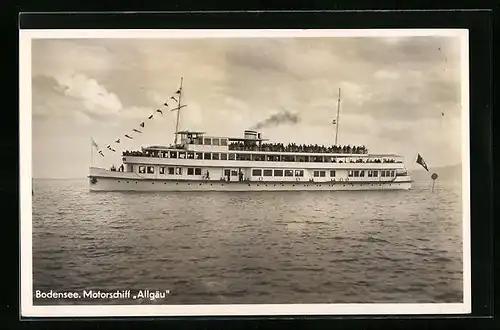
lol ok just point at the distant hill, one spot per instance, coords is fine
(445, 173)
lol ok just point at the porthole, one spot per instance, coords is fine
(164, 183)
(152, 183)
(118, 180)
(200, 184)
(189, 184)
(127, 181)
(249, 184)
(177, 183)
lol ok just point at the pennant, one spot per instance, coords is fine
(128, 136)
(178, 91)
(112, 149)
(117, 141)
(93, 143)
(334, 122)
(165, 104)
(100, 153)
(421, 161)
(158, 110)
(108, 146)
(142, 124)
(136, 130)
(150, 117)
(173, 98)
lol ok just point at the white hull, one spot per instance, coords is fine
(115, 184)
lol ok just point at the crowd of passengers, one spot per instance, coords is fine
(157, 154)
(292, 147)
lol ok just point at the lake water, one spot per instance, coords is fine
(267, 247)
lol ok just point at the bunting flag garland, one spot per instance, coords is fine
(142, 124)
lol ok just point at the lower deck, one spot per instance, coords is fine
(99, 180)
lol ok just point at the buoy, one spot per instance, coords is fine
(434, 176)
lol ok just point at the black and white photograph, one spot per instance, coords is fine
(244, 172)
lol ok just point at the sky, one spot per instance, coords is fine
(394, 91)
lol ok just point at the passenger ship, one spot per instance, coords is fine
(198, 162)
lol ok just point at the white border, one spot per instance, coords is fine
(27, 308)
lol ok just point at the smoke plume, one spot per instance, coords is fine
(283, 117)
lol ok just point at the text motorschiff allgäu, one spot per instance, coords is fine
(100, 294)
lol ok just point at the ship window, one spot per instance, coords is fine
(257, 172)
(223, 142)
(382, 173)
(356, 173)
(259, 157)
(370, 174)
(322, 174)
(190, 171)
(197, 171)
(171, 170)
(362, 173)
(231, 156)
(316, 173)
(333, 159)
(215, 156)
(288, 172)
(198, 141)
(388, 173)
(288, 158)
(332, 174)
(215, 142)
(268, 172)
(392, 173)
(227, 172)
(206, 155)
(190, 155)
(299, 172)
(178, 170)
(162, 170)
(350, 173)
(234, 173)
(199, 155)
(173, 154)
(142, 169)
(182, 155)
(223, 156)
(151, 169)
(242, 157)
(207, 141)
(375, 174)
(278, 172)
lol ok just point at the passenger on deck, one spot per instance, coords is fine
(121, 168)
(113, 168)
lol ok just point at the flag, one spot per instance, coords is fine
(136, 130)
(178, 91)
(173, 98)
(421, 161)
(117, 141)
(165, 104)
(94, 144)
(112, 149)
(334, 122)
(100, 153)
(150, 117)
(128, 136)
(108, 146)
(159, 111)
(142, 124)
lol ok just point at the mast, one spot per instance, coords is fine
(178, 112)
(337, 120)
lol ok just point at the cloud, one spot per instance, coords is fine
(96, 98)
